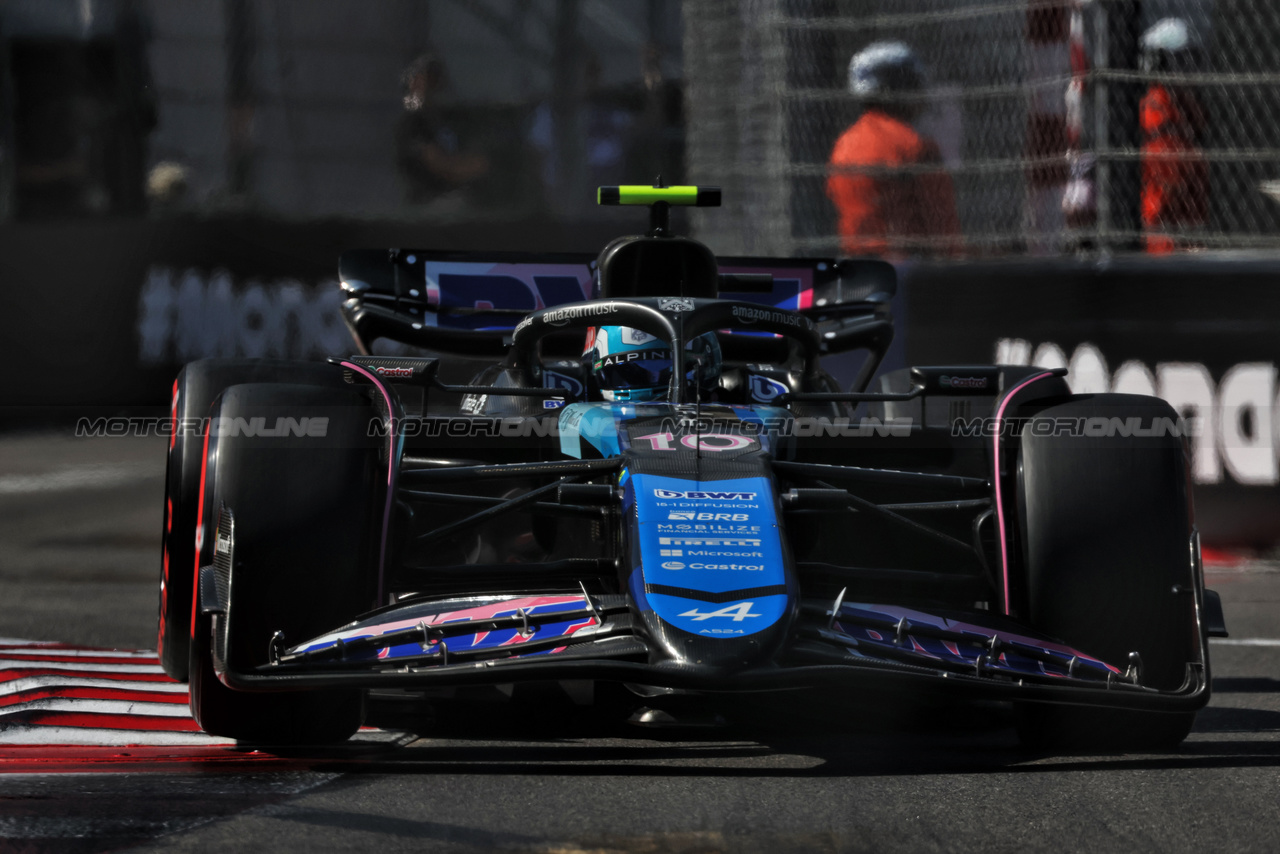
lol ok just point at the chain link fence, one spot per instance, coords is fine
(1059, 132)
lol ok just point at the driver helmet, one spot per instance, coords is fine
(627, 364)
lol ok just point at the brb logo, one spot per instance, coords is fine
(690, 516)
(705, 496)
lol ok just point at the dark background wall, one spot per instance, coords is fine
(103, 313)
(1201, 331)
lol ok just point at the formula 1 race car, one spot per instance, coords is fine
(633, 469)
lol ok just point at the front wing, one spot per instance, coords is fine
(495, 640)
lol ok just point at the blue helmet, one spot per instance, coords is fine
(627, 364)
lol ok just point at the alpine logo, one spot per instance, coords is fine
(737, 613)
(705, 496)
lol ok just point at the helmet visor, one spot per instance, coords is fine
(635, 369)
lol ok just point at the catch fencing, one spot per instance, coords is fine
(1035, 107)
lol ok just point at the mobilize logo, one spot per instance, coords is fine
(705, 496)
(737, 613)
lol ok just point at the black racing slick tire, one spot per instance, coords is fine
(1105, 526)
(297, 544)
(194, 391)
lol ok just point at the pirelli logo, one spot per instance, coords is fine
(707, 541)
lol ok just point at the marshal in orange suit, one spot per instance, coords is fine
(893, 197)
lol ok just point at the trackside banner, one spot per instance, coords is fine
(1202, 332)
(104, 313)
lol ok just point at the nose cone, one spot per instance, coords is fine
(710, 574)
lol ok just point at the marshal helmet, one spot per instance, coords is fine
(1170, 44)
(883, 70)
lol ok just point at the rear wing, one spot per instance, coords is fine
(468, 303)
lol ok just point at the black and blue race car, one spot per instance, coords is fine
(633, 468)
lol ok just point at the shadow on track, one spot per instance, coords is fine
(795, 736)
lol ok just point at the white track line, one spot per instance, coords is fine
(102, 707)
(96, 737)
(28, 664)
(1245, 641)
(55, 736)
(82, 653)
(27, 683)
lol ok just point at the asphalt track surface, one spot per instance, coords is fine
(79, 547)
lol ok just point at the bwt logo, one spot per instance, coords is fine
(705, 496)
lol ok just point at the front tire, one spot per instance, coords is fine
(194, 391)
(1106, 532)
(299, 523)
